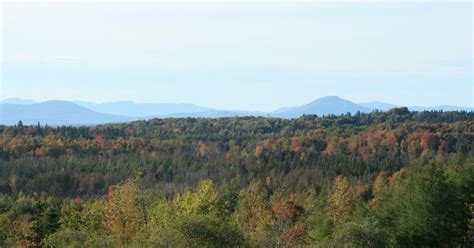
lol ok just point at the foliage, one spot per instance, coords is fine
(384, 179)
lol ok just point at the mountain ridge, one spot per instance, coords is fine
(60, 112)
(54, 112)
(129, 108)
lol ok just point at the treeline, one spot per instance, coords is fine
(421, 205)
(308, 152)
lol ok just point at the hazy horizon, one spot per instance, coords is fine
(252, 56)
(212, 107)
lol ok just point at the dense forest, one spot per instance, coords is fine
(383, 179)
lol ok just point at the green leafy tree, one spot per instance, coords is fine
(81, 225)
(320, 225)
(425, 210)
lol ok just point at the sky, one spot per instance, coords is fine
(253, 56)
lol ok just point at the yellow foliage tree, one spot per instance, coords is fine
(202, 200)
(254, 217)
(125, 212)
(342, 201)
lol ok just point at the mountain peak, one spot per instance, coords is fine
(330, 100)
(330, 97)
(324, 106)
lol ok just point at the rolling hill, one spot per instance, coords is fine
(129, 108)
(54, 113)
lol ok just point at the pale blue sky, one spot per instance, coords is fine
(239, 55)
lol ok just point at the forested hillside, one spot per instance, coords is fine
(395, 178)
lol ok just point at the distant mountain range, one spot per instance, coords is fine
(378, 105)
(54, 113)
(129, 108)
(58, 112)
(18, 101)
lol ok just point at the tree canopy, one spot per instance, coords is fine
(395, 178)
